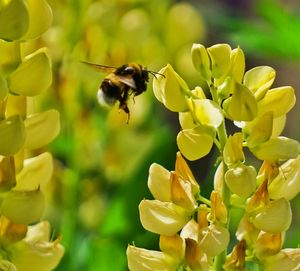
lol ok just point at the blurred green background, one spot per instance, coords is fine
(101, 163)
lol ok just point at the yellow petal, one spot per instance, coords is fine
(268, 244)
(276, 217)
(10, 56)
(287, 183)
(259, 80)
(279, 148)
(241, 180)
(3, 88)
(184, 172)
(213, 239)
(7, 266)
(182, 193)
(12, 134)
(207, 112)
(7, 173)
(170, 89)
(163, 218)
(40, 18)
(278, 100)
(259, 130)
(14, 19)
(140, 259)
(173, 246)
(195, 143)
(286, 260)
(241, 106)
(186, 120)
(237, 59)
(233, 150)
(41, 128)
(218, 208)
(219, 178)
(159, 182)
(23, 207)
(190, 230)
(36, 172)
(201, 61)
(220, 59)
(36, 252)
(33, 75)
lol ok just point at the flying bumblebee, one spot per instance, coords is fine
(121, 83)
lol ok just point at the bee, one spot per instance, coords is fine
(121, 83)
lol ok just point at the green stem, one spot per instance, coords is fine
(222, 136)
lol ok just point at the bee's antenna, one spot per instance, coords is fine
(156, 73)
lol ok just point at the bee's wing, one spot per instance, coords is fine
(129, 81)
(100, 68)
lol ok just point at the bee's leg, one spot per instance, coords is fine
(123, 104)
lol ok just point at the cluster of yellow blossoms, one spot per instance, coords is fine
(194, 231)
(25, 169)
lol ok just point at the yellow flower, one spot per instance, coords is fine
(170, 89)
(287, 182)
(140, 259)
(164, 218)
(286, 260)
(36, 252)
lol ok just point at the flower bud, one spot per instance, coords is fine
(183, 171)
(241, 180)
(33, 75)
(14, 19)
(220, 59)
(159, 182)
(279, 148)
(140, 259)
(219, 178)
(259, 80)
(170, 89)
(213, 239)
(165, 218)
(195, 143)
(233, 150)
(201, 61)
(12, 134)
(41, 128)
(218, 209)
(287, 183)
(10, 56)
(276, 217)
(237, 59)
